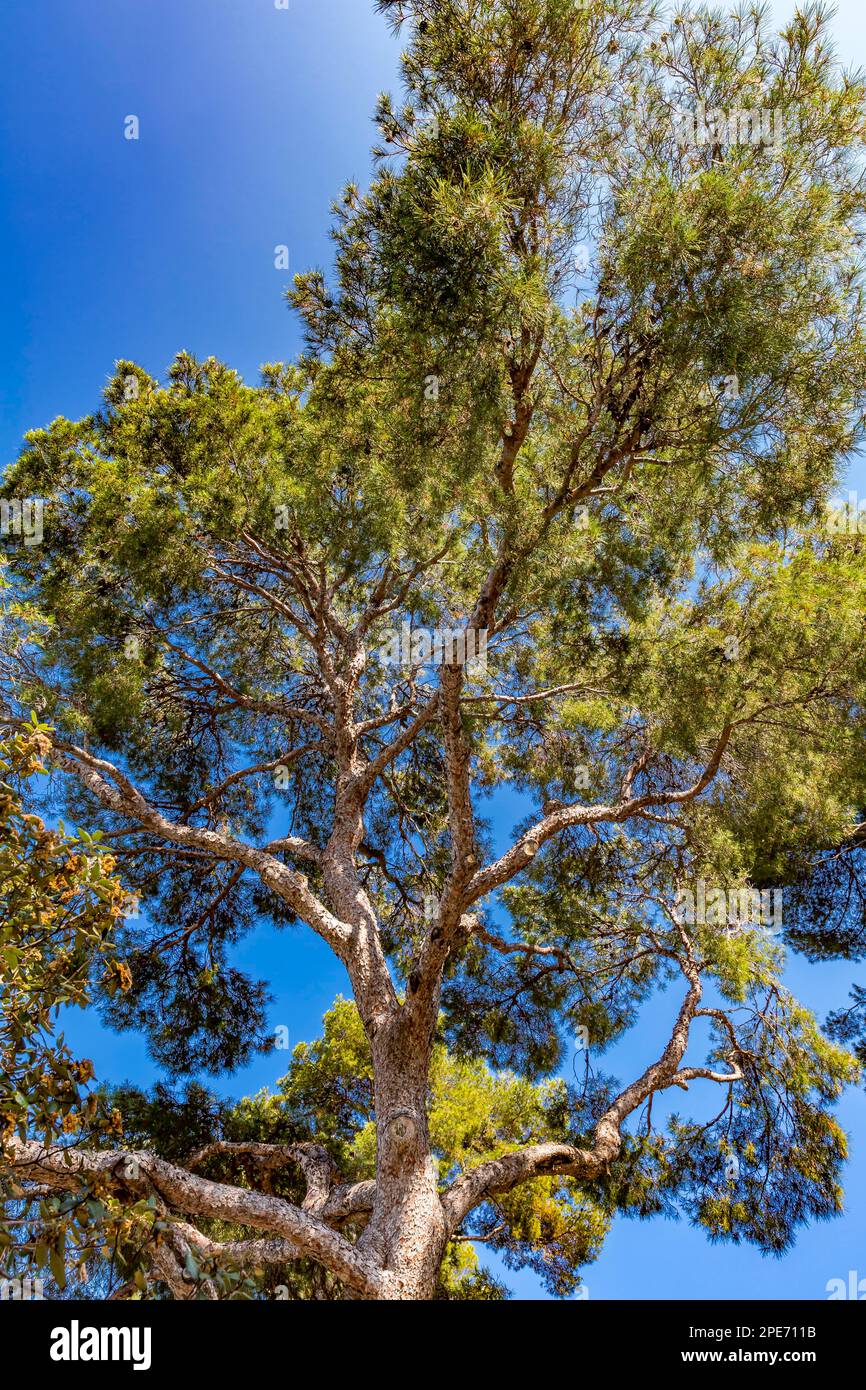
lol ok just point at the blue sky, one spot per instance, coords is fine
(251, 119)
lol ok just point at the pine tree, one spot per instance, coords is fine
(540, 511)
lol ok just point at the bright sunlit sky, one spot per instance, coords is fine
(251, 120)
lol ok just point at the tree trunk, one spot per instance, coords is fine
(407, 1234)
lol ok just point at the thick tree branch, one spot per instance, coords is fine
(506, 1172)
(524, 850)
(138, 1172)
(114, 790)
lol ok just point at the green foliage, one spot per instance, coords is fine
(59, 904)
(771, 1162)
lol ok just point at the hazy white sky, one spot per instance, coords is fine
(849, 26)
